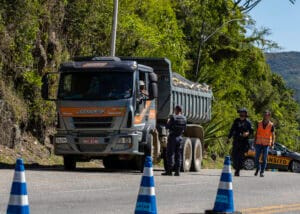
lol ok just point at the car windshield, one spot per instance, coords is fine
(280, 147)
(95, 85)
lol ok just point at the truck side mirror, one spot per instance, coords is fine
(153, 88)
(45, 87)
(153, 92)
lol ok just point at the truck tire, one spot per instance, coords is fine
(148, 149)
(69, 163)
(139, 163)
(197, 155)
(187, 155)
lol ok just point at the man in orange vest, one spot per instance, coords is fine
(265, 137)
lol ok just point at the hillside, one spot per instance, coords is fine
(287, 64)
(36, 36)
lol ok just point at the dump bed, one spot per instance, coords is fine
(195, 99)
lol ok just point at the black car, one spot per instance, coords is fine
(279, 158)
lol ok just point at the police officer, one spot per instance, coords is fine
(240, 131)
(264, 138)
(176, 125)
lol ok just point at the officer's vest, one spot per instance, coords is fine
(179, 125)
(264, 136)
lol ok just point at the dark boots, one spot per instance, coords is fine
(167, 173)
(177, 173)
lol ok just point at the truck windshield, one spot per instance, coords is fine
(95, 86)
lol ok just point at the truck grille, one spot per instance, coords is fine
(92, 122)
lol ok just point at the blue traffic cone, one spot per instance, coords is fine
(146, 201)
(224, 200)
(18, 201)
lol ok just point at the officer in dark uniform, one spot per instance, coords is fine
(176, 125)
(240, 131)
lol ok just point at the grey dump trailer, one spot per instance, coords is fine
(103, 113)
(196, 102)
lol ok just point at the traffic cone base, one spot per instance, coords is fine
(146, 201)
(18, 200)
(224, 202)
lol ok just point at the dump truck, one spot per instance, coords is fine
(102, 112)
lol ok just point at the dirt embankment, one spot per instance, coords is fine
(15, 138)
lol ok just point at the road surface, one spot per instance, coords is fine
(98, 191)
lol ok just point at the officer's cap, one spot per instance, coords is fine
(243, 110)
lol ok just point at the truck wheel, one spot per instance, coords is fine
(69, 163)
(148, 150)
(139, 163)
(197, 155)
(249, 164)
(187, 155)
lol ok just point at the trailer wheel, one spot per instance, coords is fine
(197, 155)
(69, 163)
(187, 155)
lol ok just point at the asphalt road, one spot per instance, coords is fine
(98, 191)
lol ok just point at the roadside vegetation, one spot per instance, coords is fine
(36, 36)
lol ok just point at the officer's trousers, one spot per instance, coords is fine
(238, 155)
(174, 151)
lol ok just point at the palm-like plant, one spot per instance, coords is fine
(214, 137)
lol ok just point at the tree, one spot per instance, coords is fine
(247, 5)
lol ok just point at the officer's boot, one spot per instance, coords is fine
(256, 172)
(177, 173)
(167, 173)
(237, 173)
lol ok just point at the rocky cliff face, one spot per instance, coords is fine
(10, 133)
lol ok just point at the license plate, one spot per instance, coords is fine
(90, 140)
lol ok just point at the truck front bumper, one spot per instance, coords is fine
(118, 144)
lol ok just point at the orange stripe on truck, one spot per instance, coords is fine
(92, 111)
(139, 118)
(152, 114)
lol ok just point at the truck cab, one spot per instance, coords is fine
(103, 111)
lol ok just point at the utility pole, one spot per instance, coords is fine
(114, 29)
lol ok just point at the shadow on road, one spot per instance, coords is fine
(38, 167)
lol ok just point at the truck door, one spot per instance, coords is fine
(143, 104)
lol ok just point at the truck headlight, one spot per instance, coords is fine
(61, 140)
(124, 140)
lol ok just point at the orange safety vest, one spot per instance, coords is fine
(264, 136)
